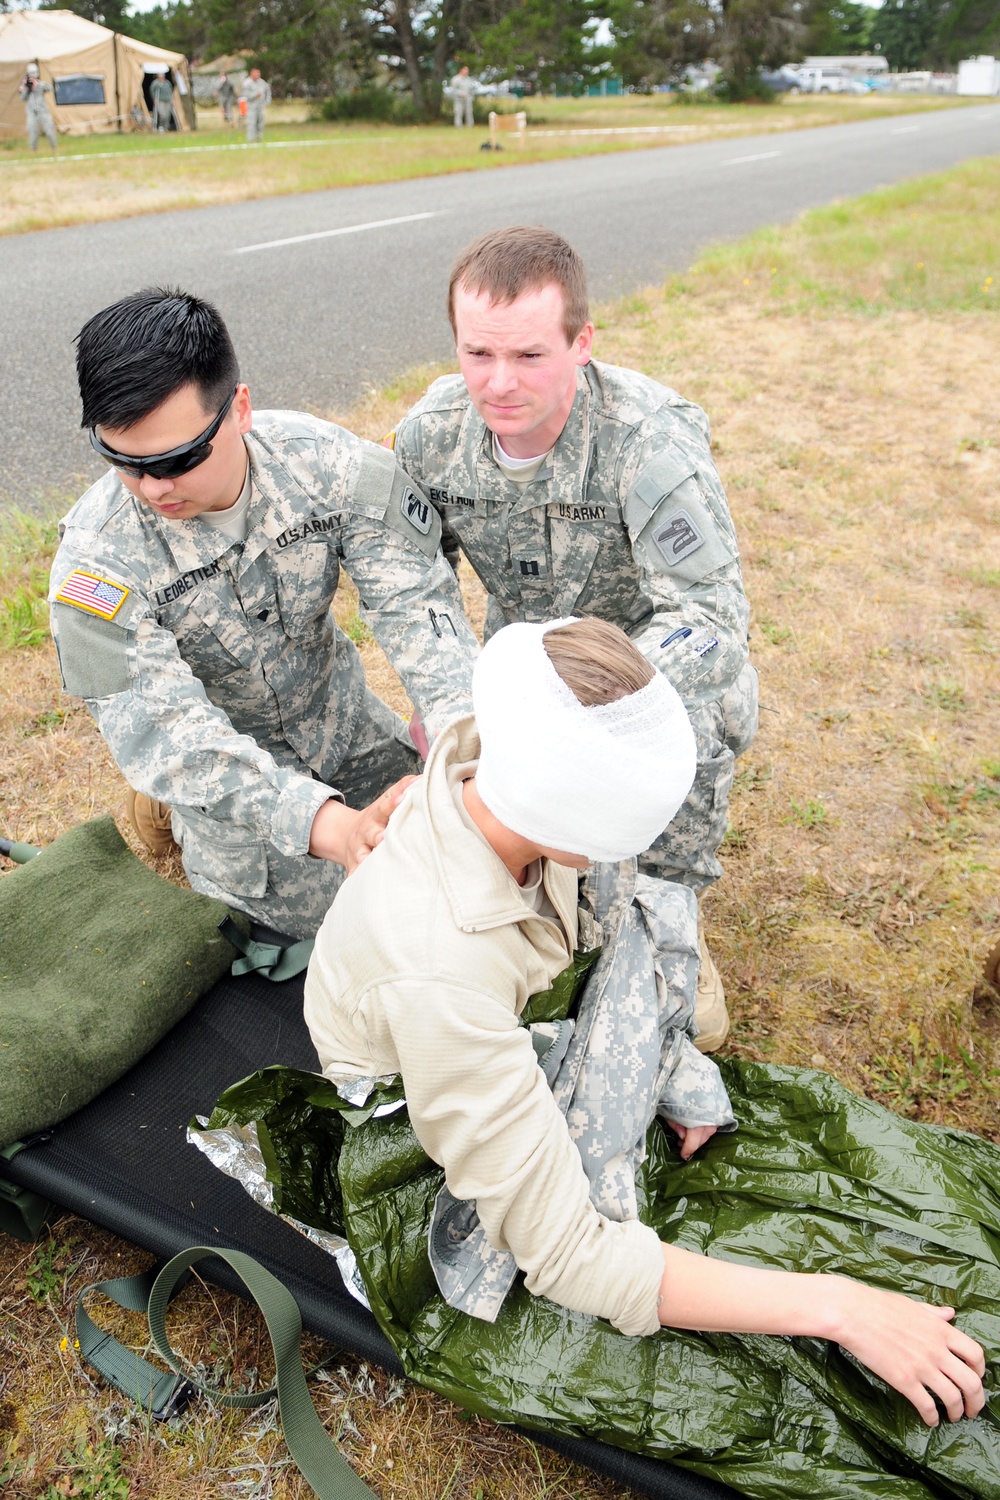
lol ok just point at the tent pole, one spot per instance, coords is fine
(118, 97)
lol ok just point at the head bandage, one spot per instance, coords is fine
(602, 781)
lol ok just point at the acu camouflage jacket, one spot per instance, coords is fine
(627, 521)
(214, 669)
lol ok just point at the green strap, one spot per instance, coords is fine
(321, 1463)
(269, 960)
(159, 1392)
(19, 853)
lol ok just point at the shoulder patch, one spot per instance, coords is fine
(389, 441)
(92, 593)
(677, 536)
(410, 512)
(416, 510)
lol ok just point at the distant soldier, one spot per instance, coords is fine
(225, 95)
(257, 93)
(161, 93)
(464, 89)
(36, 109)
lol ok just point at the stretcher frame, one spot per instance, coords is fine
(123, 1162)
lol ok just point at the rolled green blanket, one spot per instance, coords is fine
(99, 958)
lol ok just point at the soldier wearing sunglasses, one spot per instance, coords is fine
(191, 600)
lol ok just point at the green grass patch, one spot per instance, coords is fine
(27, 546)
(930, 245)
(358, 631)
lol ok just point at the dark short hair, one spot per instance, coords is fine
(133, 355)
(503, 263)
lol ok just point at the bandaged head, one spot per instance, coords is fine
(601, 781)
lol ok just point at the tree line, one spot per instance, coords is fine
(340, 47)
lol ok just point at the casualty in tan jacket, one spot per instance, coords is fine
(422, 967)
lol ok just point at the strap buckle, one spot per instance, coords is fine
(177, 1400)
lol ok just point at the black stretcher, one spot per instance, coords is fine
(123, 1162)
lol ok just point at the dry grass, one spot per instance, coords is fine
(148, 174)
(66, 1436)
(862, 885)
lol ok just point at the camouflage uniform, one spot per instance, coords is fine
(628, 521)
(36, 112)
(627, 1055)
(225, 94)
(161, 92)
(215, 670)
(257, 93)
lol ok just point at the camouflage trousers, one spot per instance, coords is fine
(626, 1056)
(254, 122)
(40, 120)
(687, 851)
(293, 893)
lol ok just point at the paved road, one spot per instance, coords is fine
(353, 292)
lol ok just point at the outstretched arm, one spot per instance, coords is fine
(911, 1345)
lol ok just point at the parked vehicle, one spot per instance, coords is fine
(823, 80)
(781, 80)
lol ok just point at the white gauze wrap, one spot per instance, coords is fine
(601, 781)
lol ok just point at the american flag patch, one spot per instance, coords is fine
(98, 596)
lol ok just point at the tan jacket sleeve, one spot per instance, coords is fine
(481, 1108)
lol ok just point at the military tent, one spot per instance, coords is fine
(100, 80)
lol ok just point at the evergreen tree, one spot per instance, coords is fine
(905, 31)
(548, 43)
(655, 40)
(840, 28)
(110, 13)
(658, 38)
(966, 29)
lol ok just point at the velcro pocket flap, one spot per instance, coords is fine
(659, 478)
(373, 486)
(93, 653)
(384, 491)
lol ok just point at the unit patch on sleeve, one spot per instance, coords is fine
(678, 537)
(98, 596)
(417, 511)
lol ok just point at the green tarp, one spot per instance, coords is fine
(815, 1179)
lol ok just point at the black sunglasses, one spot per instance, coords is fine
(166, 465)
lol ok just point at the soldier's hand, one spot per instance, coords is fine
(418, 734)
(691, 1137)
(348, 835)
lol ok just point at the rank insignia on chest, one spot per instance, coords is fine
(678, 537)
(530, 567)
(417, 511)
(98, 596)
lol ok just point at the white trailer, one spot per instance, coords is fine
(979, 75)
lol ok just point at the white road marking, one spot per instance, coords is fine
(327, 234)
(64, 157)
(734, 161)
(904, 130)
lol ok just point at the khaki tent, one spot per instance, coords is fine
(100, 81)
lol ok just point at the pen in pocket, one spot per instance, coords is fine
(678, 635)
